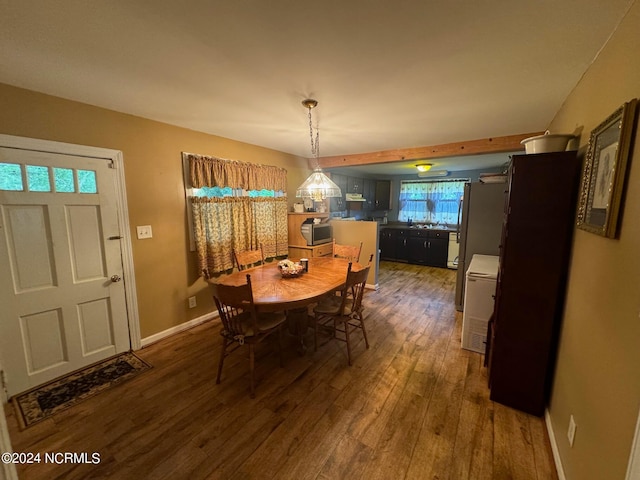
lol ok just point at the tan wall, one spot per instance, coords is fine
(598, 372)
(352, 233)
(165, 270)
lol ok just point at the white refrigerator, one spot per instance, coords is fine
(479, 298)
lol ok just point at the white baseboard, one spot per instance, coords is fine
(554, 446)
(145, 342)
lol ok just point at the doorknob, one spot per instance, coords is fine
(115, 278)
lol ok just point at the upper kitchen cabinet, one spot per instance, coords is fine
(369, 192)
(383, 195)
(338, 204)
(354, 185)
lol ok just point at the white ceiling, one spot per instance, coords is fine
(387, 74)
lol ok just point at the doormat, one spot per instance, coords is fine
(40, 403)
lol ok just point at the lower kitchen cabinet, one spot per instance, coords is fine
(402, 245)
(387, 244)
(419, 246)
(428, 247)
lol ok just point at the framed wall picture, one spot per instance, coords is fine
(604, 172)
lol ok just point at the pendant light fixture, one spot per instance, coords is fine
(318, 186)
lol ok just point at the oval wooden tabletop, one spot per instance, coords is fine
(273, 292)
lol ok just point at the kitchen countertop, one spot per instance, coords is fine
(416, 227)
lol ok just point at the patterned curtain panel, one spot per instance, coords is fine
(270, 216)
(207, 171)
(241, 223)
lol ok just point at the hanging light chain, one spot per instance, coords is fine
(315, 146)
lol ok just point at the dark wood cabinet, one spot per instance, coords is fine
(402, 245)
(377, 193)
(387, 244)
(420, 246)
(438, 252)
(428, 248)
(338, 204)
(536, 241)
(354, 185)
(383, 195)
(369, 192)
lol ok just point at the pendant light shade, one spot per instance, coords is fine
(318, 186)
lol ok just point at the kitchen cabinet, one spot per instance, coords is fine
(369, 192)
(535, 249)
(387, 244)
(338, 204)
(354, 185)
(377, 193)
(382, 195)
(402, 245)
(428, 247)
(420, 246)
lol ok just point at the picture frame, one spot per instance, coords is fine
(604, 172)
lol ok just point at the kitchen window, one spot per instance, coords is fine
(432, 201)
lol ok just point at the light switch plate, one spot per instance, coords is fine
(144, 231)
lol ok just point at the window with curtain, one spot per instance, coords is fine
(430, 201)
(235, 206)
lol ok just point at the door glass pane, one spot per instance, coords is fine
(10, 177)
(38, 178)
(87, 181)
(63, 179)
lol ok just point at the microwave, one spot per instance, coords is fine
(316, 233)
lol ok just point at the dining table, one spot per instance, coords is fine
(274, 292)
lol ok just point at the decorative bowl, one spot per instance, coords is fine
(289, 269)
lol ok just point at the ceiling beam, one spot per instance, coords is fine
(509, 143)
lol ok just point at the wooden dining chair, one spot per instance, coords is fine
(247, 258)
(350, 252)
(343, 314)
(242, 324)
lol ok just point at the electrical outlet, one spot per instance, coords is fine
(192, 302)
(571, 432)
(144, 231)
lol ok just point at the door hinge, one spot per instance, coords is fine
(112, 164)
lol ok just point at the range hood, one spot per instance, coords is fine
(354, 197)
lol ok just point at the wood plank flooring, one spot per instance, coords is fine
(413, 406)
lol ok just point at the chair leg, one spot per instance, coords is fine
(223, 352)
(251, 369)
(364, 331)
(346, 334)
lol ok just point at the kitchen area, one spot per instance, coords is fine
(509, 288)
(441, 237)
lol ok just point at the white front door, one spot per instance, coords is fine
(61, 285)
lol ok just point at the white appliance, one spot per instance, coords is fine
(454, 248)
(478, 301)
(482, 215)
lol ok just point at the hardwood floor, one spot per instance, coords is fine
(415, 406)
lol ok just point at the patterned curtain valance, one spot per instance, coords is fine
(207, 171)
